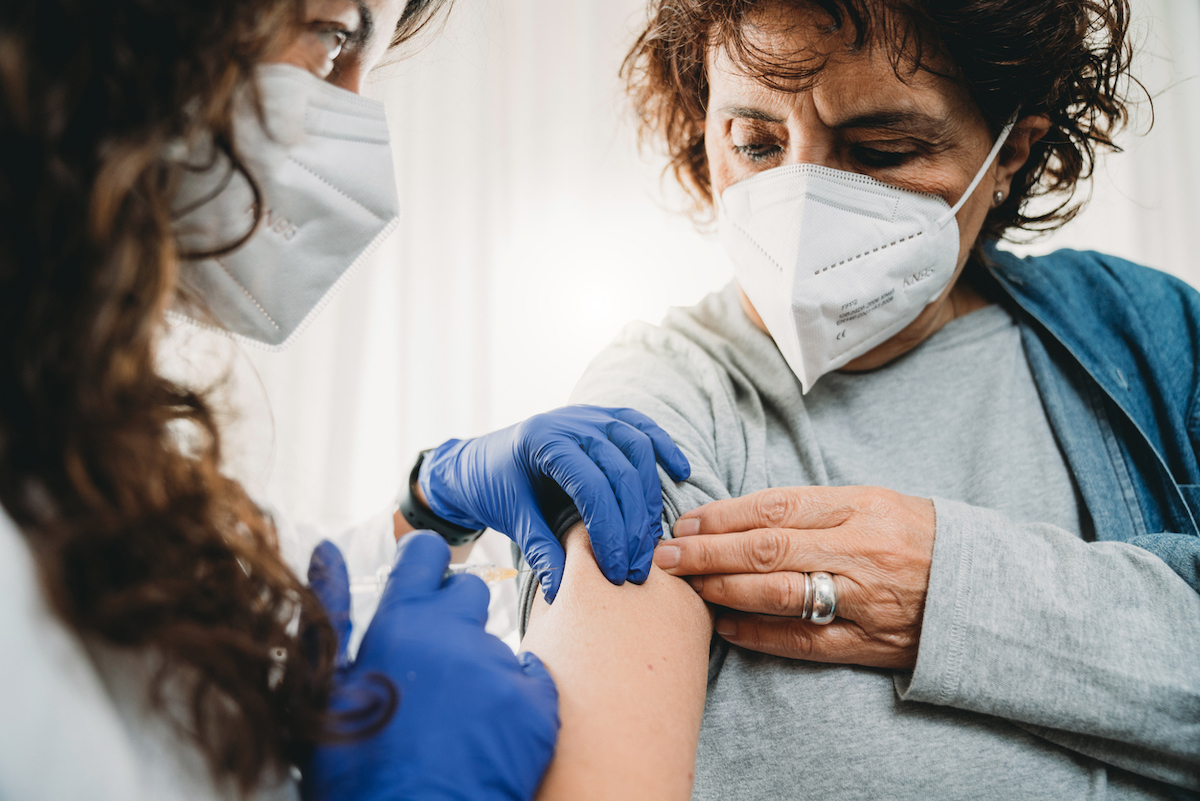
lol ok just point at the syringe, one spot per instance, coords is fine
(490, 573)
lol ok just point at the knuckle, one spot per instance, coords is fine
(786, 593)
(697, 560)
(627, 414)
(765, 551)
(715, 588)
(798, 641)
(642, 446)
(774, 507)
(881, 504)
(897, 640)
(533, 432)
(536, 421)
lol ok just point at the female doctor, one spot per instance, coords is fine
(212, 158)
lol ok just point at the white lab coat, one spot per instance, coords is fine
(74, 718)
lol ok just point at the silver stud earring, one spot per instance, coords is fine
(998, 197)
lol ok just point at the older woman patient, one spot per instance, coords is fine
(978, 471)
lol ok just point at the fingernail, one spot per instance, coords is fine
(697, 583)
(687, 526)
(666, 556)
(726, 628)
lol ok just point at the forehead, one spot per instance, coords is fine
(782, 52)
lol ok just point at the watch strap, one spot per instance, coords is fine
(424, 519)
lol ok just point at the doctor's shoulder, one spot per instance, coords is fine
(75, 719)
(60, 734)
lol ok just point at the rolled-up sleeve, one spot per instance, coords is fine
(664, 376)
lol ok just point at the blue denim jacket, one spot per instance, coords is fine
(1115, 350)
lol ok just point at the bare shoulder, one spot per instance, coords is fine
(631, 666)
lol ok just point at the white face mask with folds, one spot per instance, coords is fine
(324, 167)
(837, 263)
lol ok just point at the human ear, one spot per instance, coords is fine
(1015, 153)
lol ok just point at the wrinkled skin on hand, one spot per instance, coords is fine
(749, 554)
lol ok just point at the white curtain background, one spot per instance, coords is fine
(532, 231)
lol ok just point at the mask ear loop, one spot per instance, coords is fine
(1000, 140)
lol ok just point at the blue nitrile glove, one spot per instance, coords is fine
(604, 459)
(473, 720)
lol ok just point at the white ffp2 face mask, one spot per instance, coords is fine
(324, 167)
(837, 263)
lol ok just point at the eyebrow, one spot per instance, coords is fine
(366, 24)
(748, 113)
(914, 122)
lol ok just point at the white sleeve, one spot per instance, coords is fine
(61, 736)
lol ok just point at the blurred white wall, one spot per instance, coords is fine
(532, 231)
(1145, 205)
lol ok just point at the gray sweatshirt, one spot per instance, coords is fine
(1050, 665)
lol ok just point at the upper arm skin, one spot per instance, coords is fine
(631, 665)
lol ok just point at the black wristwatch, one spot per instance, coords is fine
(423, 519)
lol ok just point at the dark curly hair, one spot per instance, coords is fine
(110, 471)
(1066, 59)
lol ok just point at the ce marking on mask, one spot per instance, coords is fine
(854, 310)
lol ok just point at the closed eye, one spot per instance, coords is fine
(758, 153)
(880, 159)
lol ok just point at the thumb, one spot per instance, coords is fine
(421, 562)
(533, 667)
(330, 582)
(545, 556)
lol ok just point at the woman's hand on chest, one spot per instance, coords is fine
(751, 555)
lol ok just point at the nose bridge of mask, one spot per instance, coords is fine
(835, 262)
(837, 189)
(770, 210)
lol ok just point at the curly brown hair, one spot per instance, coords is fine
(1067, 59)
(111, 471)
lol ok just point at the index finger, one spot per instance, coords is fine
(783, 507)
(666, 451)
(759, 551)
(587, 485)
